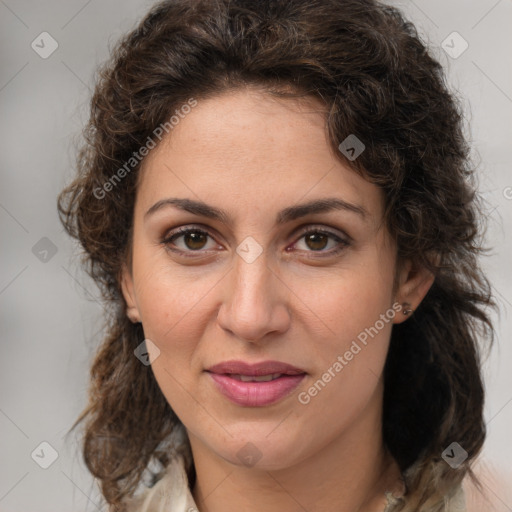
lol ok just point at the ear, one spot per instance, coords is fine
(414, 281)
(132, 311)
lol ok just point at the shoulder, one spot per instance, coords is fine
(496, 492)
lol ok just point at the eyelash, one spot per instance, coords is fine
(171, 237)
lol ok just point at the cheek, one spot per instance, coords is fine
(350, 358)
(352, 299)
(355, 309)
(173, 311)
(355, 331)
(173, 307)
(167, 298)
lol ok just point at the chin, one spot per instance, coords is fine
(258, 452)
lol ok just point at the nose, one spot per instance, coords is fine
(254, 304)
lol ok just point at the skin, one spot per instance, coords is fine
(253, 155)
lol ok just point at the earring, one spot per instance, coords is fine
(407, 308)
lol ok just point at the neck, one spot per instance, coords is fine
(352, 472)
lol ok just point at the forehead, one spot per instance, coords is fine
(248, 148)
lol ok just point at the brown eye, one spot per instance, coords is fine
(319, 240)
(195, 240)
(316, 241)
(187, 240)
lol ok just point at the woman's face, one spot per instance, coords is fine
(250, 285)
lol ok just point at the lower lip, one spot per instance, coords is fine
(256, 394)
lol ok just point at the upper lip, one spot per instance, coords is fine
(255, 369)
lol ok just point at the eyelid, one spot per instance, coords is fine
(323, 228)
(183, 230)
(341, 237)
(344, 241)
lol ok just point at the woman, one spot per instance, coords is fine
(276, 201)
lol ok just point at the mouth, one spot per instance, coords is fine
(266, 369)
(255, 385)
(260, 378)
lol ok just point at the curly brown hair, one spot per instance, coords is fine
(377, 79)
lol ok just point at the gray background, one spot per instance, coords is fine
(49, 313)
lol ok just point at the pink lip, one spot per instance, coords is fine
(255, 394)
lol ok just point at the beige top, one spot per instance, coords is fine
(172, 494)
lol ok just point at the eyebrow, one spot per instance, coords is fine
(286, 215)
